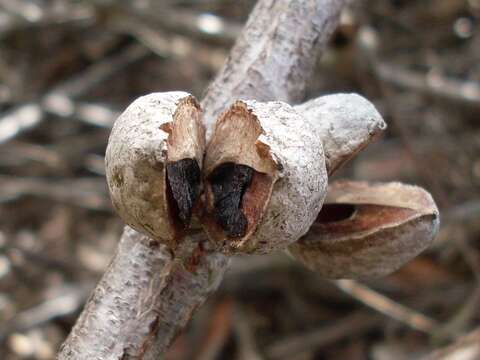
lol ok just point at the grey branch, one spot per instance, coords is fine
(275, 54)
(145, 298)
(144, 295)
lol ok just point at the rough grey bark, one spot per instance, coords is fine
(275, 54)
(145, 298)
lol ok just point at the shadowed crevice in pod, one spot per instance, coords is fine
(335, 212)
(186, 146)
(239, 174)
(184, 179)
(229, 183)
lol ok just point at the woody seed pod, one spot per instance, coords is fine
(346, 123)
(153, 163)
(368, 230)
(264, 176)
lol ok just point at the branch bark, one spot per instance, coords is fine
(146, 297)
(274, 55)
(143, 299)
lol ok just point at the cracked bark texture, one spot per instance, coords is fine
(145, 298)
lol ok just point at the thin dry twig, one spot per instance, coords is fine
(218, 331)
(247, 348)
(369, 45)
(69, 300)
(465, 348)
(21, 16)
(354, 323)
(169, 45)
(60, 99)
(433, 83)
(89, 193)
(387, 306)
(204, 26)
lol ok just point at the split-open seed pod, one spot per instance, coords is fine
(368, 229)
(264, 177)
(347, 123)
(153, 163)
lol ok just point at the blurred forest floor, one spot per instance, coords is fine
(67, 68)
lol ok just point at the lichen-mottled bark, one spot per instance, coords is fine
(145, 298)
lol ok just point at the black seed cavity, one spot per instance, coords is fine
(335, 212)
(184, 179)
(229, 182)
